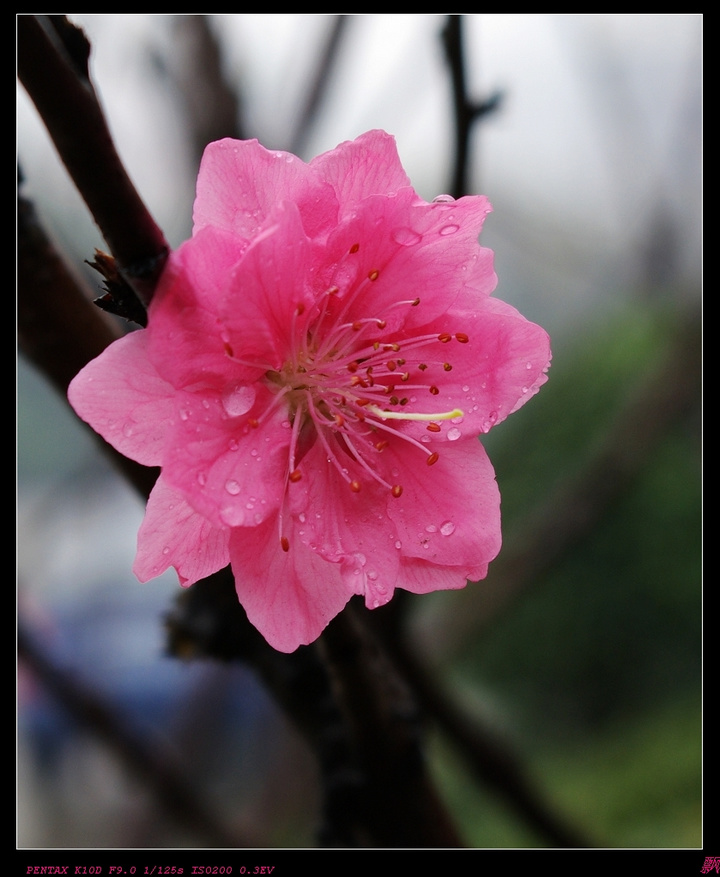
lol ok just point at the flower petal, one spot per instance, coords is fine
(449, 512)
(122, 396)
(290, 596)
(230, 469)
(347, 528)
(186, 339)
(173, 534)
(362, 167)
(240, 183)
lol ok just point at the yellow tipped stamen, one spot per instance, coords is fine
(412, 415)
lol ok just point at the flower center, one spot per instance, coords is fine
(348, 384)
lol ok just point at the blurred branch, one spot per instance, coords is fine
(398, 803)
(326, 62)
(52, 66)
(58, 328)
(213, 107)
(150, 762)
(466, 111)
(348, 703)
(658, 401)
(488, 757)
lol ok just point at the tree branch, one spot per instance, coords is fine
(57, 82)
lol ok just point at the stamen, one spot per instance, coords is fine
(414, 415)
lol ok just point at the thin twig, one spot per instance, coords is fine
(466, 111)
(326, 62)
(213, 106)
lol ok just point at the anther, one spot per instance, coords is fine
(373, 275)
(447, 366)
(462, 337)
(434, 391)
(433, 458)
(284, 543)
(355, 486)
(415, 303)
(295, 475)
(354, 248)
(434, 427)
(253, 423)
(396, 490)
(381, 324)
(300, 309)
(445, 337)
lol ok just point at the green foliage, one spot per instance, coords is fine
(597, 668)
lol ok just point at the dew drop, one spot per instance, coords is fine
(453, 434)
(448, 528)
(166, 550)
(407, 237)
(232, 487)
(128, 430)
(233, 516)
(442, 199)
(466, 389)
(431, 528)
(202, 479)
(449, 229)
(398, 544)
(238, 399)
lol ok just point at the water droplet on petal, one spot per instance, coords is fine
(442, 199)
(407, 237)
(449, 229)
(453, 434)
(201, 479)
(431, 528)
(448, 528)
(238, 399)
(233, 516)
(398, 543)
(232, 487)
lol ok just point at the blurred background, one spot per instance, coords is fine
(582, 650)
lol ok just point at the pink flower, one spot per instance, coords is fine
(319, 360)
